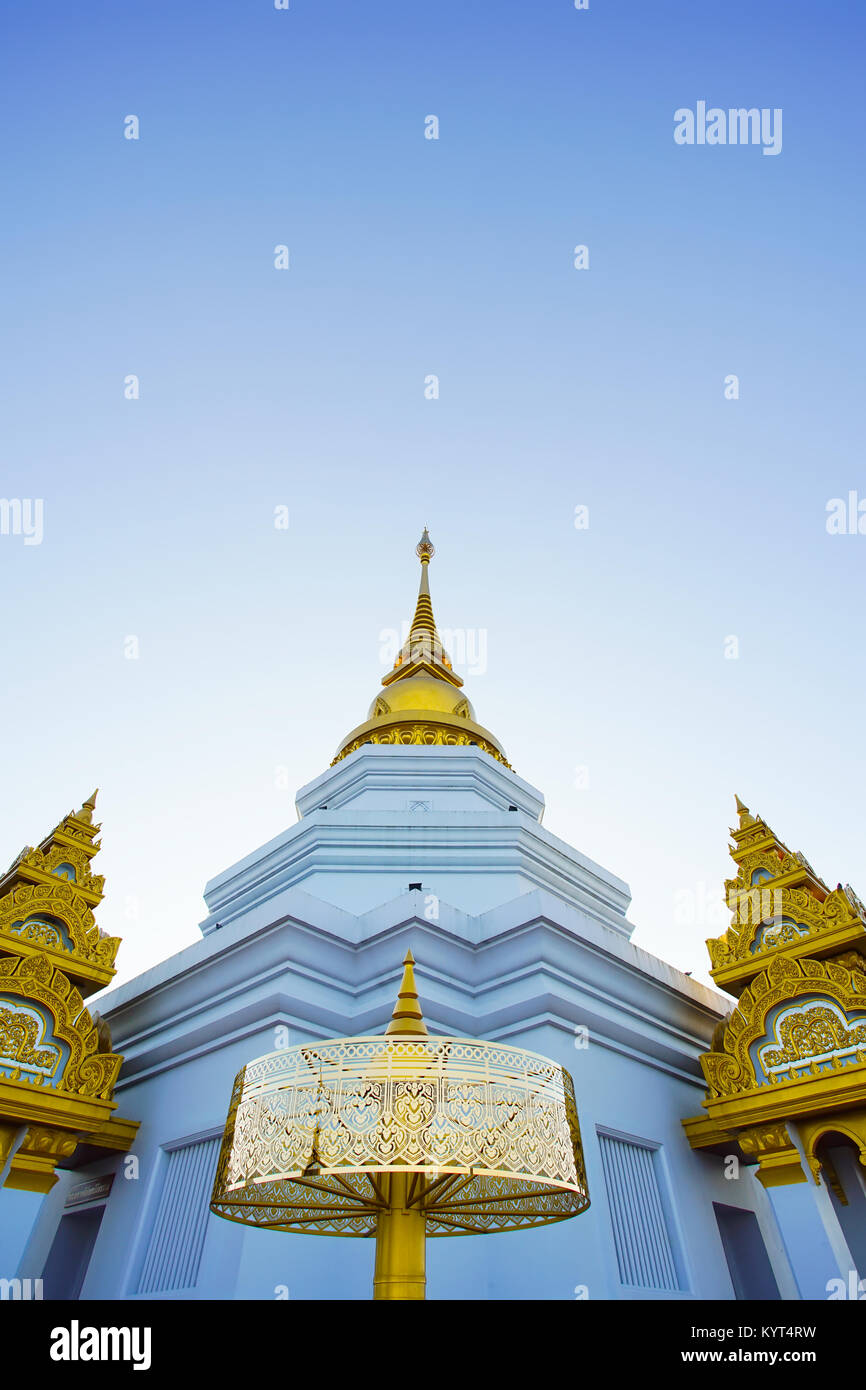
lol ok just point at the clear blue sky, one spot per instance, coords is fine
(259, 648)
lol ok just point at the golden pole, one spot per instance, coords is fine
(401, 1231)
(401, 1234)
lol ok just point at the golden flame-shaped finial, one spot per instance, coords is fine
(424, 640)
(407, 1018)
(425, 549)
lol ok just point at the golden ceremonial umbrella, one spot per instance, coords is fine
(399, 1137)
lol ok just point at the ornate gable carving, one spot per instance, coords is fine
(777, 902)
(59, 857)
(87, 1070)
(731, 1067)
(788, 1064)
(57, 1069)
(23, 907)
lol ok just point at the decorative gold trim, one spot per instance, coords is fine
(427, 733)
(57, 899)
(850, 1124)
(40, 866)
(777, 1156)
(422, 675)
(788, 910)
(806, 1065)
(728, 1067)
(58, 1069)
(87, 1071)
(829, 925)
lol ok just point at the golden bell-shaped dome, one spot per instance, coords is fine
(422, 702)
(423, 692)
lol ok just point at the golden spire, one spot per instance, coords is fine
(407, 1018)
(424, 624)
(423, 650)
(754, 840)
(422, 702)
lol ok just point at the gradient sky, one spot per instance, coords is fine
(260, 648)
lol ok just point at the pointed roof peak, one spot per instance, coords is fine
(422, 702)
(407, 1019)
(423, 648)
(745, 815)
(87, 808)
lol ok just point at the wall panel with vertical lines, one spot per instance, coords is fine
(177, 1239)
(644, 1249)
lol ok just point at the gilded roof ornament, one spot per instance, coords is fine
(425, 549)
(56, 1061)
(745, 815)
(792, 1053)
(407, 1019)
(779, 905)
(422, 702)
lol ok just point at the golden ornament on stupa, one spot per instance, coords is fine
(400, 1136)
(423, 702)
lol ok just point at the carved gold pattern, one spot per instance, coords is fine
(777, 900)
(765, 1139)
(848, 1124)
(750, 934)
(728, 1067)
(776, 1154)
(421, 733)
(51, 1143)
(38, 933)
(813, 1031)
(19, 1035)
(49, 861)
(57, 1065)
(793, 1051)
(87, 1071)
(58, 899)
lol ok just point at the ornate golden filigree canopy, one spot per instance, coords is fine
(423, 703)
(480, 1136)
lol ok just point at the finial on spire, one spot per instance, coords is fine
(422, 703)
(424, 643)
(88, 807)
(746, 817)
(407, 1019)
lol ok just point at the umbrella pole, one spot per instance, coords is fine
(400, 1244)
